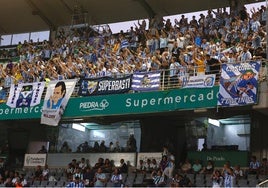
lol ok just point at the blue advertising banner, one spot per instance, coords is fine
(104, 86)
(238, 84)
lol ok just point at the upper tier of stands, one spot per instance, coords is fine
(82, 53)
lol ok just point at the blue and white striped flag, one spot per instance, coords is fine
(124, 43)
(145, 81)
(239, 84)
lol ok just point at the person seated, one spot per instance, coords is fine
(148, 166)
(186, 167)
(117, 147)
(88, 177)
(78, 173)
(45, 173)
(38, 173)
(209, 168)
(99, 164)
(96, 147)
(180, 181)
(102, 148)
(65, 148)
(217, 179)
(141, 167)
(254, 166)
(107, 166)
(264, 167)
(82, 163)
(42, 150)
(85, 147)
(159, 179)
(69, 171)
(116, 178)
(197, 167)
(77, 182)
(238, 172)
(123, 166)
(99, 178)
(154, 165)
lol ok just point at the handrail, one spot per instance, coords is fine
(165, 83)
(263, 184)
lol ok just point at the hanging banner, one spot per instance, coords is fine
(3, 93)
(146, 81)
(238, 84)
(56, 99)
(201, 81)
(25, 94)
(104, 86)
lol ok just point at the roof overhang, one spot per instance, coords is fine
(19, 16)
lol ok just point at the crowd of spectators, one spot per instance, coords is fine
(185, 47)
(164, 173)
(101, 147)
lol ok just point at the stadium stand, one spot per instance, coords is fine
(186, 46)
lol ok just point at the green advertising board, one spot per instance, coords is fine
(220, 157)
(122, 104)
(146, 102)
(7, 113)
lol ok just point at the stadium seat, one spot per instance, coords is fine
(191, 177)
(130, 179)
(124, 177)
(139, 179)
(36, 183)
(262, 177)
(109, 184)
(51, 183)
(60, 183)
(44, 183)
(251, 176)
(242, 182)
(253, 182)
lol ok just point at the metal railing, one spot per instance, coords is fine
(263, 184)
(168, 82)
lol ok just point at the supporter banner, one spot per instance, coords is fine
(146, 81)
(33, 160)
(201, 81)
(238, 84)
(104, 85)
(56, 99)
(25, 94)
(3, 94)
